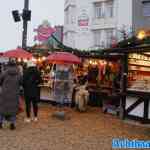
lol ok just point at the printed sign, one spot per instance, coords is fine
(83, 19)
(44, 31)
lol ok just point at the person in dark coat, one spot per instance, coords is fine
(10, 81)
(31, 80)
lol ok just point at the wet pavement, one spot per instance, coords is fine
(92, 130)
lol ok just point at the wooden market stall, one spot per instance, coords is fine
(135, 90)
(134, 93)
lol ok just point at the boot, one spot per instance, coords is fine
(1, 125)
(12, 126)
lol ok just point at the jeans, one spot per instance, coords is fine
(11, 119)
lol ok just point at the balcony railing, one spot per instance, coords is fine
(103, 23)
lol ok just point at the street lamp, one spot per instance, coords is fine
(26, 16)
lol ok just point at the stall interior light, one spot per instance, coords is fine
(43, 58)
(33, 59)
(110, 64)
(39, 59)
(104, 62)
(100, 61)
(25, 60)
(19, 59)
(93, 62)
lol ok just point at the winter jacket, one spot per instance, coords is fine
(10, 82)
(31, 80)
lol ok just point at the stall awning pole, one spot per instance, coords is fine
(124, 80)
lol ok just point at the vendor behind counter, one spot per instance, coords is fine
(92, 74)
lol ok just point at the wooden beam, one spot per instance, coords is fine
(124, 72)
(134, 105)
(137, 118)
(146, 110)
(139, 49)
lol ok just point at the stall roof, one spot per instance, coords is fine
(138, 49)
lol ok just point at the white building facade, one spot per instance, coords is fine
(91, 24)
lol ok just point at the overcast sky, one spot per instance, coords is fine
(11, 32)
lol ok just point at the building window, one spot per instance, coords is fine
(104, 9)
(98, 8)
(109, 9)
(97, 38)
(65, 38)
(109, 37)
(146, 8)
(70, 15)
(67, 16)
(72, 11)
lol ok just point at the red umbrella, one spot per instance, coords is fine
(63, 57)
(18, 53)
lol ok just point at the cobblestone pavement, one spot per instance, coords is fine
(83, 131)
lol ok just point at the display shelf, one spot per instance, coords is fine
(139, 63)
(139, 57)
(139, 68)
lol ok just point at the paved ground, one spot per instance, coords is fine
(84, 131)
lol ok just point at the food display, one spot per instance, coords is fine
(139, 72)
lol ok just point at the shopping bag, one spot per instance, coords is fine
(20, 104)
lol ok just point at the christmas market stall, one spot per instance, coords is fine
(101, 74)
(135, 79)
(127, 85)
(59, 73)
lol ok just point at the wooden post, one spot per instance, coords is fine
(146, 110)
(124, 80)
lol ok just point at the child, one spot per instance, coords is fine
(81, 96)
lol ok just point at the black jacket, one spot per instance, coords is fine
(31, 80)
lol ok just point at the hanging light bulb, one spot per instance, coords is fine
(141, 35)
(43, 58)
(33, 59)
(39, 59)
(25, 60)
(19, 59)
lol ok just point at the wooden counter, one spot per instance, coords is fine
(46, 92)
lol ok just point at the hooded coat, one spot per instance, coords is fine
(10, 82)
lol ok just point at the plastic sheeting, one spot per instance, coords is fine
(63, 84)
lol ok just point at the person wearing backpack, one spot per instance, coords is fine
(31, 81)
